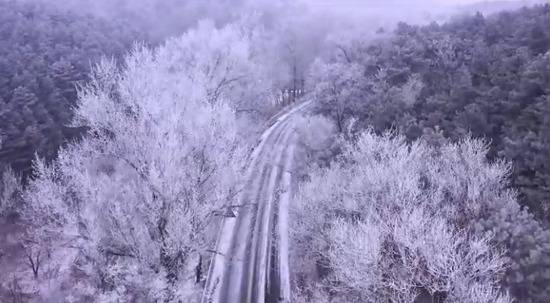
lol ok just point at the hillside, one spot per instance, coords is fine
(44, 54)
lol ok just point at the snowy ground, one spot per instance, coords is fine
(251, 263)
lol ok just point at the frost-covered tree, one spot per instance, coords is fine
(349, 84)
(481, 75)
(396, 221)
(130, 209)
(335, 87)
(10, 191)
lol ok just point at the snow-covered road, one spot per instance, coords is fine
(251, 263)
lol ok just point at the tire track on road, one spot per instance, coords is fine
(245, 268)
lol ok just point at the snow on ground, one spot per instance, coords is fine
(244, 240)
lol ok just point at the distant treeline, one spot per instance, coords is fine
(44, 53)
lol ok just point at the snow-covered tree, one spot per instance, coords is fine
(395, 221)
(130, 208)
(335, 87)
(10, 191)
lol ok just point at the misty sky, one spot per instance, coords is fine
(412, 11)
(395, 2)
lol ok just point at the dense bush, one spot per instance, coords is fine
(44, 53)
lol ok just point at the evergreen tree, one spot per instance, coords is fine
(65, 77)
(44, 52)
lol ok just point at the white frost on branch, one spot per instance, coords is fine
(379, 224)
(131, 207)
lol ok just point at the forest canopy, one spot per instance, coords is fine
(484, 76)
(148, 155)
(44, 54)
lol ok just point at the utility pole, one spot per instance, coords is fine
(294, 79)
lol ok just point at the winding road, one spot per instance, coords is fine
(251, 260)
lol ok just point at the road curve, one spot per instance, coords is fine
(251, 260)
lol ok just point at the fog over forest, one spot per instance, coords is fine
(217, 151)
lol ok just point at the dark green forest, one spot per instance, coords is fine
(44, 53)
(484, 76)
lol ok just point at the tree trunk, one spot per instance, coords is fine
(198, 271)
